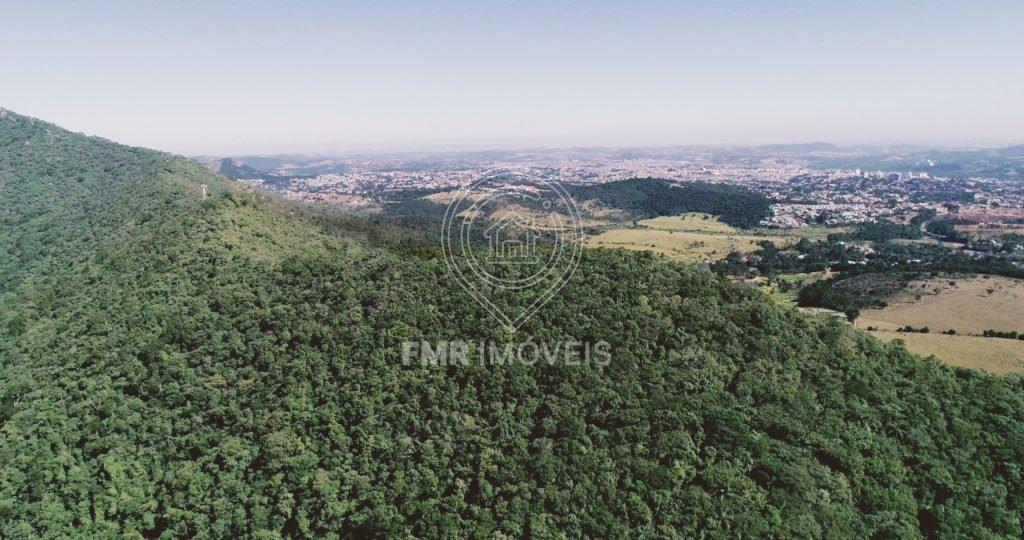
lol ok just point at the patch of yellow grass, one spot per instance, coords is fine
(686, 237)
(692, 222)
(971, 306)
(678, 245)
(997, 356)
(446, 197)
(542, 220)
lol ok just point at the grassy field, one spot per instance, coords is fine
(969, 306)
(446, 197)
(997, 356)
(688, 237)
(679, 245)
(696, 222)
(689, 223)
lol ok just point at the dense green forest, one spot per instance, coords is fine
(637, 198)
(173, 366)
(651, 197)
(880, 231)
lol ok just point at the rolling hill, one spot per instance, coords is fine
(173, 365)
(644, 198)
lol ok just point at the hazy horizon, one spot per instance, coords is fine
(454, 149)
(199, 79)
(651, 148)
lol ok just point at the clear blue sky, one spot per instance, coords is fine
(227, 78)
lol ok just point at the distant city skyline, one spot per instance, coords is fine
(315, 78)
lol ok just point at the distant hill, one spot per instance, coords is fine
(651, 197)
(271, 167)
(801, 148)
(234, 169)
(229, 366)
(1005, 163)
(1012, 151)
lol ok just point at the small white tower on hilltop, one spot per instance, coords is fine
(204, 192)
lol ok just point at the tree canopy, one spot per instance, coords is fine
(173, 366)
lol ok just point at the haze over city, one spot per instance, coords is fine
(228, 80)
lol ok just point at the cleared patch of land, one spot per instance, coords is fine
(792, 284)
(969, 306)
(796, 233)
(541, 220)
(697, 222)
(692, 222)
(446, 197)
(679, 245)
(696, 237)
(997, 356)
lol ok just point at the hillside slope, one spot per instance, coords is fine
(171, 366)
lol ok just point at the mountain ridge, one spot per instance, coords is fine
(178, 366)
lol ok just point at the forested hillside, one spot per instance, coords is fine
(651, 197)
(173, 366)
